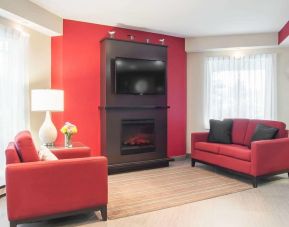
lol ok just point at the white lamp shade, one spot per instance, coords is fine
(47, 100)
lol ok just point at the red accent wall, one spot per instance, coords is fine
(76, 69)
(284, 33)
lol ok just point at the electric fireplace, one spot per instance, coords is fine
(137, 136)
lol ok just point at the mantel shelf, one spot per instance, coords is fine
(134, 41)
(134, 107)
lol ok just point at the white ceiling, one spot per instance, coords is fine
(183, 18)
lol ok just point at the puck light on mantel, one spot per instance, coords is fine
(131, 37)
(162, 41)
(111, 34)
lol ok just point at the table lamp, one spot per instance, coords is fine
(48, 100)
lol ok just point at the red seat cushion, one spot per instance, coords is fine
(236, 151)
(209, 147)
(25, 147)
(252, 126)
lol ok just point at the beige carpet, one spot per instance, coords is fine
(144, 191)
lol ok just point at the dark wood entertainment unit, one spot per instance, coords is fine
(133, 127)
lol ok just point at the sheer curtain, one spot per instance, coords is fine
(240, 87)
(13, 88)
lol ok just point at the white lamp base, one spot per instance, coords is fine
(47, 131)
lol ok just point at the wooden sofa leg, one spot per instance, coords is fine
(255, 182)
(193, 162)
(103, 211)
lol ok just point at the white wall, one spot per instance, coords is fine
(39, 70)
(195, 91)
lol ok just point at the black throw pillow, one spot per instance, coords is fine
(263, 132)
(220, 131)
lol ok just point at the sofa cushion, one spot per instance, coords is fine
(11, 154)
(25, 147)
(263, 132)
(220, 131)
(252, 126)
(209, 147)
(45, 154)
(239, 130)
(235, 151)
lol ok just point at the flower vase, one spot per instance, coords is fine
(67, 140)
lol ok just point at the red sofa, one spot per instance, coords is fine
(266, 157)
(40, 190)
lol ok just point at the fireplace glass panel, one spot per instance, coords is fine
(138, 136)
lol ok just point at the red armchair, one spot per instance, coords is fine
(39, 190)
(264, 158)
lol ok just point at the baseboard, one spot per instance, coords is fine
(141, 165)
(179, 158)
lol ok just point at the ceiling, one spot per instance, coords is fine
(183, 18)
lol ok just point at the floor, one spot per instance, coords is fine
(267, 205)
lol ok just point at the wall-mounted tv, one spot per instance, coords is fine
(140, 76)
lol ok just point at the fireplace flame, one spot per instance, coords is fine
(139, 139)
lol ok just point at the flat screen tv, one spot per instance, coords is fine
(140, 76)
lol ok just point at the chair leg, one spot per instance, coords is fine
(193, 162)
(13, 224)
(255, 182)
(103, 211)
(288, 174)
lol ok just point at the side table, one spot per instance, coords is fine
(78, 150)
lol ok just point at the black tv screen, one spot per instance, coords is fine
(140, 76)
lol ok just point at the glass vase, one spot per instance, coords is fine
(67, 140)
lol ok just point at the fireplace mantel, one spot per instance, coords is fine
(118, 108)
(133, 107)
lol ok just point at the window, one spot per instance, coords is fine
(240, 87)
(13, 88)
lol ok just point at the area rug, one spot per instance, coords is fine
(149, 190)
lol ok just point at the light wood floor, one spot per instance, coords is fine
(267, 205)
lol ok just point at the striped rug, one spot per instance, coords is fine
(144, 191)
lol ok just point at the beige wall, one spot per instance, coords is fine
(39, 74)
(195, 91)
(27, 13)
(261, 40)
(39, 70)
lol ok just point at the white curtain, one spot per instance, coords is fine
(13, 88)
(240, 87)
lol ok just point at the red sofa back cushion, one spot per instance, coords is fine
(11, 154)
(239, 130)
(243, 129)
(25, 147)
(252, 126)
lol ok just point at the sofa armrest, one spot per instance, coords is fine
(270, 156)
(38, 189)
(67, 153)
(198, 137)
